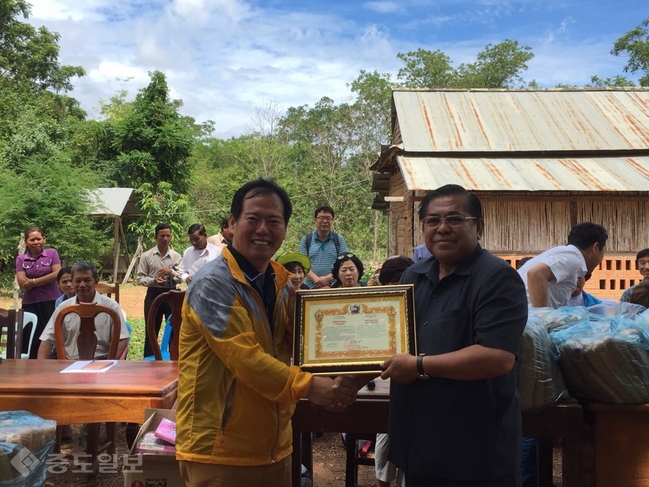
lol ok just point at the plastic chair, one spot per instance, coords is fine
(176, 298)
(87, 345)
(33, 319)
(164, 346)
(11, 333)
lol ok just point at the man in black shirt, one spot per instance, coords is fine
(455, 417)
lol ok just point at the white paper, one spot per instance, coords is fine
(89, 366)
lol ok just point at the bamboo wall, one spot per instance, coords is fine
(519, 227)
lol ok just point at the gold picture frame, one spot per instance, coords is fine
(353, 330)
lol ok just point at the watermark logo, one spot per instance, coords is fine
(25, 462)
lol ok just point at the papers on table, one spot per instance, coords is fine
(89, 366)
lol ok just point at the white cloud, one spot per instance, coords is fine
(225, 57)
(383, 7)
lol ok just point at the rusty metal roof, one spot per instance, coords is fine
(609, 174)
(482, 121)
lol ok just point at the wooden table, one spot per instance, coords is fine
(369, 414)
(119, 394)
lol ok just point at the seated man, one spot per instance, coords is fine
(84, 280)
(642, 262)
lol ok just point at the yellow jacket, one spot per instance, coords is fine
(236, 391)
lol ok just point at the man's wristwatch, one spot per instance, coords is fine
(421, 373)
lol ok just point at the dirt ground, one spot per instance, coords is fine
(328, 450)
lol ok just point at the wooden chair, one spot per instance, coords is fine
(11, 333)
(176, 298)
(108, 289)
(87, 345)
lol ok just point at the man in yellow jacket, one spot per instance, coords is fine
(236, 389)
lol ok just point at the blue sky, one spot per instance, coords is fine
(226, 59)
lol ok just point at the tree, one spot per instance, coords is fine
(150, 142)
(29, 55)
(52, 194)
(497, 66)
(425, 69)
(618, 80)
(635, 45)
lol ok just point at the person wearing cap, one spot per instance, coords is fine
(298, 265)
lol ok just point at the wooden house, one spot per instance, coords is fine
(539, 160)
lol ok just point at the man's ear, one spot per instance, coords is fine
(480, 227)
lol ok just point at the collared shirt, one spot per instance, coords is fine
(72, 322)
(567, 264)
(194, 259)
(462, 430)
(421, 252)
(151, 262)
(218, 240)
(264, 284)
(322, 254)
(39, 267)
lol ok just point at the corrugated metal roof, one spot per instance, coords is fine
(504, 121)
(612, 174)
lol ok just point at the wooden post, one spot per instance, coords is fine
(115, 247)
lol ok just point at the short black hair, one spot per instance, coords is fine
(392, 269)
(225, 223)
(85, 267)
(259, 187)
(197, 227)
(291, 266)
(585, 234)
(324, 209)
(344, 258)
(471, 201)
(642, 253)
(62, 272)
(161, 226)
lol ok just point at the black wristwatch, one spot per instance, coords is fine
(421, 373)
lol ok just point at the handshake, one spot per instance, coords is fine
(335, 394)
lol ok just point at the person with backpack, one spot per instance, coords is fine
(322, 246)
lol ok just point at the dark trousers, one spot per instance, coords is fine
(43, 312)
(164, 311)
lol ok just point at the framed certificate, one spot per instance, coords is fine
(353, 330)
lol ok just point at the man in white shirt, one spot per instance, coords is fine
(551, 277)
(200, 253)
(84, 280)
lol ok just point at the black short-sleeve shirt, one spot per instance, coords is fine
(453, 429)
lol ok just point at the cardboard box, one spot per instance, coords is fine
(154, 470)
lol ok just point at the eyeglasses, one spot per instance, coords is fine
(451, 220)
(325, 218)
(345, 256)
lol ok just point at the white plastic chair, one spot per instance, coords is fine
(33, 319)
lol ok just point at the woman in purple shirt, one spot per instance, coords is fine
(36, 272)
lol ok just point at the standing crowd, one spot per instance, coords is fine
(455, 417)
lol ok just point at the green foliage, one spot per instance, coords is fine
(150, 141)
(30, 55)
(497, 66)
(161, 205)
(53, 195)
(617, 81)
(635, 45)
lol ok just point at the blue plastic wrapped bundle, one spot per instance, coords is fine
(564, 317)
(540, 383)
(26, 441)
(607, 359)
